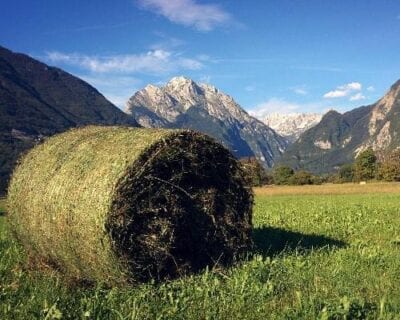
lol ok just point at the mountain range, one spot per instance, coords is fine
(291, 125)
(183, 103)
(338, 138)
(37, 101)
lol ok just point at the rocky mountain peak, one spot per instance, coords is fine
(182, 103)
(209, 88)
(183, 85)
(184, 90)
(292, 125)
(180, 80)
(151, 88)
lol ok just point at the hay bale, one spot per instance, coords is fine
(119, 205)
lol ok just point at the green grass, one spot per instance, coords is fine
(317, 257)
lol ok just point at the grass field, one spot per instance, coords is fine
(330, 252)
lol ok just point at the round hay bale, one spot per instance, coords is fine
(117, 205)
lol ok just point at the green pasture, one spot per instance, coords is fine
(315, 257)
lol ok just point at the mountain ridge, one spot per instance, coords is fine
(339, 138)
(291, 125)
(183, 103)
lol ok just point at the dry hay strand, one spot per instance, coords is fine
(126, 205)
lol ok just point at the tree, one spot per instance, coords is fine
(346, 173)
(301, 177)
(390, 169)
(255, 173)
(282, 174)
(365, 165)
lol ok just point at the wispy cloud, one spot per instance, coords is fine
(300, 90)
(84, 28)
(343, 91)
(357, 97)
(371, 89)
(116, 76)
(250, 88)
(155, 61)
(203, 17)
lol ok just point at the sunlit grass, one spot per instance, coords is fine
(330, 189)
(317, 256)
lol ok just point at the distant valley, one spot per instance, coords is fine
(37, 101)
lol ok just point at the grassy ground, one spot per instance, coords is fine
(330, 189)
(322, 255)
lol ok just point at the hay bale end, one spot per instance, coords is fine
(123, 205)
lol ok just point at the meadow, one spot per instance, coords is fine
(321, 252)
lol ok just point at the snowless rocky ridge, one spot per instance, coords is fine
(183, 103)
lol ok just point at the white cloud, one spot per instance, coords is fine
(203, 17)
(371, 89)
(344, 90)
(336, 94)
(300, 90)
(358, 96)
(155, 61)
(351, 86)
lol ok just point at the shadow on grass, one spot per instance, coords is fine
(270, 241)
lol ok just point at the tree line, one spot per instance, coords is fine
(365, 167)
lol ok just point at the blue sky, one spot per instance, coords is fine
(270, 56)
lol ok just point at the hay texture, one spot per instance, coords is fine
(119, 205)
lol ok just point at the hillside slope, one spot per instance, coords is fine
(37, 101)
(339, 138)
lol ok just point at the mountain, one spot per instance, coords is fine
(182, 103)
(37, 101)
(291, 125)
(338, 138)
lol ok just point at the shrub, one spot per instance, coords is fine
(255, 172)
(301, 177)
(346, 173)
(282, 175)
(365, 165)
(390, 168)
